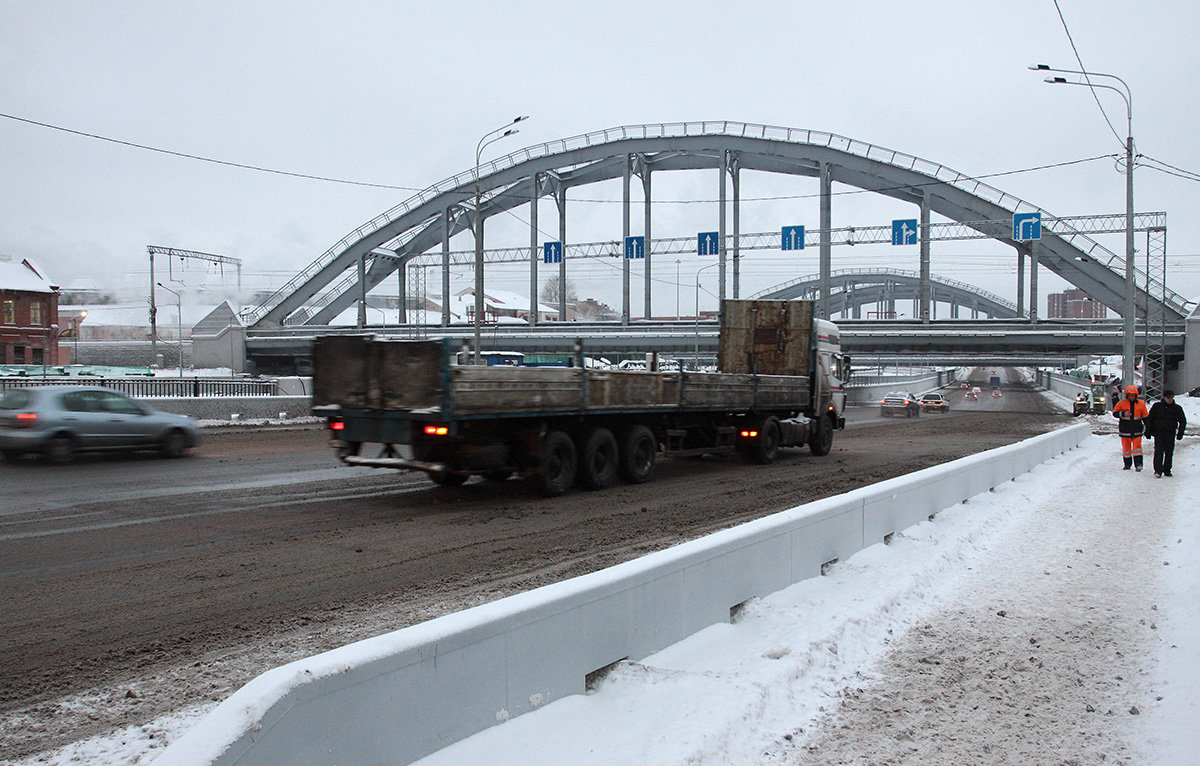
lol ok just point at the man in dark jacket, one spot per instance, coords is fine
(1165, 425)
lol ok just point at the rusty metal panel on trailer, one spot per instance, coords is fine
(709, 390)
(503, 389)
(407, 374)
(341, 370)
(625, 389)
(766, 337)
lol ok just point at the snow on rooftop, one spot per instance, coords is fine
(25, 276)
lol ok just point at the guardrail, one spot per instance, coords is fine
(149, 387)
(398, 697)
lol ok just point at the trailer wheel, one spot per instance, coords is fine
(638, 451)
(556, 465)
(765, 448)
(597, 460)
(447, 478)
(821, 440)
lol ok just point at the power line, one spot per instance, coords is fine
(184, 155)
(1087, 79)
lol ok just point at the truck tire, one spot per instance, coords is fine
(556, 465)
(820, 442)
(765, 448)
(638, 451)
(597, 459)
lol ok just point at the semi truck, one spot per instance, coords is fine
(410, 404)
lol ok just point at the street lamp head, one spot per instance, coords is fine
(521, 118)
(509, 132)
(1040, 67)
(1056, 80)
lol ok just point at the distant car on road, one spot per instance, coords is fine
(972, 393)
(934, 403)
(57, 422)
(964, 384)
(997, 392)
(899, 403)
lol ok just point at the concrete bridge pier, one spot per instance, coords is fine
(1187, 376)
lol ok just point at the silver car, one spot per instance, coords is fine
(59, 421)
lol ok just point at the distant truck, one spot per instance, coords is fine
(780, 385)
(994, 380)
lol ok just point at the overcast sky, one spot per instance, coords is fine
(397, 93)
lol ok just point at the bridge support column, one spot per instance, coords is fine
(560, 198)
(624, 235)
(533, 251)
(362, 290)
(723, 166)
(402, 292)
(736, 176)
(953, 309)
(826, 244)
(446, 224)
(1033, 282)
(924, 289)
(1020, 282)
(646, 230)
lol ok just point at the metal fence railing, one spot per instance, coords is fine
(150, 387)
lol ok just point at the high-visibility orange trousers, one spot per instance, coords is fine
(1131, 446)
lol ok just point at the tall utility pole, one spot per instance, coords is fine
(488, 138)
(1129, 315)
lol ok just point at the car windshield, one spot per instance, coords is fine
(896, 395)
(16, 399)
(932, 398)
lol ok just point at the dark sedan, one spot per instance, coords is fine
(899, 403)
(59, 421)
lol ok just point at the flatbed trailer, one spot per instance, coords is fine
(558, 426)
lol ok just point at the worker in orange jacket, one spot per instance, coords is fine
(1131, 414)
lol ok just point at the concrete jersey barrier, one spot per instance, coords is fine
(400, 696)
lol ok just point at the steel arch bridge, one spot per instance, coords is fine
(852, 289)
(364, 257)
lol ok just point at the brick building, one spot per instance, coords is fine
(1074, 304)
(28, 315)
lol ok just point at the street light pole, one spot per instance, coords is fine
(1130, 314)
(488, 138)
(702, 268)
(179, 317)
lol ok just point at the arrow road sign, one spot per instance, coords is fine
(904, 231)
(635, 247)
(552, 252)
(1027, 226)
(706, 243)
(792, 238)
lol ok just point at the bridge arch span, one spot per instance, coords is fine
(852, 289)
(330, 284)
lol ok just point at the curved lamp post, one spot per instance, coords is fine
(1130, 313)
(179, 316)
(488, 138)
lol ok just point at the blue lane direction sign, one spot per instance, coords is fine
(792, 238)
(552, 252)
(635, 247)
(904, 231)
(706, 243)
(1027, 226)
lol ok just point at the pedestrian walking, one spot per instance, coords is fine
(1131, 414)
(1165, 425)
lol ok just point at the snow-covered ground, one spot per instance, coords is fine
(1050, 621)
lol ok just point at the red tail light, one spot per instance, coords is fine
(436, 430)
(26, 419)
(749, 434)
(337, 424)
